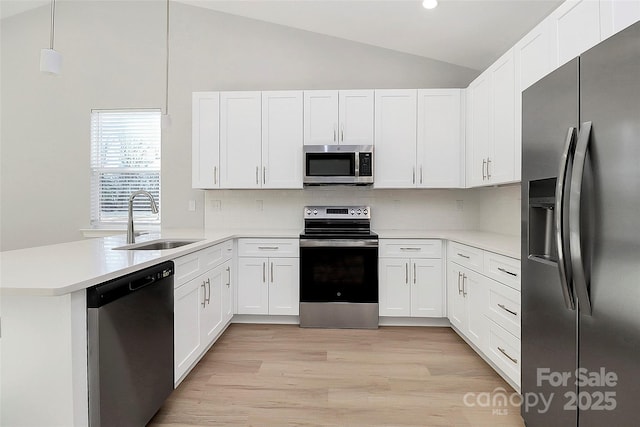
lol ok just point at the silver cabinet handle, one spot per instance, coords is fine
(215, 175)
(335, 125)
(488, 169)
(502, 306)
(420, 174)
(508, 272)
(271, 248)
(575, 237)
(264, 174)
(464, 285)
(484, 163)
(414, 273)
(342, 132)
(459, 277)
(562, 226)
(413, 179)
(208, 282)
(257, 174)
(410, 249)
(463, 256)
(271, 272)
(406, 273)
(204, 294)
(507, 356)
(264, 272)
(229, 277)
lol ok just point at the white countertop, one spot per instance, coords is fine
(68, 267)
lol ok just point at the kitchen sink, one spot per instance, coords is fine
(157, 245)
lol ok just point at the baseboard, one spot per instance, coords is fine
(266, 319)
(441, 322)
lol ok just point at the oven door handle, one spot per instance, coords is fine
(338, 243)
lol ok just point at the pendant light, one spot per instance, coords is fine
(51, 60)
(165, 120)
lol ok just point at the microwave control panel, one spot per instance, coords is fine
(364, 167)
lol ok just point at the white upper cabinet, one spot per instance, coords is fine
(395, 138)
(240, 139)
(338, 117)
(477, 137)
(501, 159)
(282, 134)
(577, 27)
(355, 111)
(616, 15)
(535, 55)
(439, 139)
(205, 148)
(321, 117)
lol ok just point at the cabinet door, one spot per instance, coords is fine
(395, 139)
(455, 299)
(211, 315)
(282, 139)
(439, 147)
(501, 161)
(577, 27)
(426, 288)
(616, 15)
(227, 293)
(477, 130)
(284, 287)
(355, 109)
(253, 287)
(320, 117)
(476, 295)
(240, 139)
(395, 288)
(205, 140)
(187, 303)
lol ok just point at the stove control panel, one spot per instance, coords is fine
(337, 212)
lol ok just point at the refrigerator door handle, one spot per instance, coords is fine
(564, 262)
(575, 239)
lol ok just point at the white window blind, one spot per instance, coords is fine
(125, 157)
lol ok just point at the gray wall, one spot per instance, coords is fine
(114, 55)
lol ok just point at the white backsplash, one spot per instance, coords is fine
(499, 209)
(391, 209)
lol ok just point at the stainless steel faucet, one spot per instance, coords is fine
(154, 208)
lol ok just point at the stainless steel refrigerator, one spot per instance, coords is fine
(581, 240)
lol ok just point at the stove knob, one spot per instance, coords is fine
(365, 211)
(315, 211)
(308, 211)
(359, 211)
(353, 212)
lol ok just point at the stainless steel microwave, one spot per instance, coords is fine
(338, 164)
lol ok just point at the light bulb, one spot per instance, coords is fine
(430, 4)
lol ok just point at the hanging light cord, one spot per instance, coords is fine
(166, 88)
(53, 23)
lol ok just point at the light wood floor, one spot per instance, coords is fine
(281, 375)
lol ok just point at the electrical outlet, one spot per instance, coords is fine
(259, 205)
(460, 205)
(215, 205)
(192, 206)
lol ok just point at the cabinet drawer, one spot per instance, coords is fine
(504, 350)
(504, 307)
(186, 268)
(269, 247)
(411, 248)
(217, 254)
(467, 256)
(503, 269)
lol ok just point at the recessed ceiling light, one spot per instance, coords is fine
(430, 4)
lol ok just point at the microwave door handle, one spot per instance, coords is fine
(356, 169)
(575, 237)
(562, 240)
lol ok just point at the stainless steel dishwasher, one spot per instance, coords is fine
(130, 347)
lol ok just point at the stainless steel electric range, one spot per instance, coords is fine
(338, 268)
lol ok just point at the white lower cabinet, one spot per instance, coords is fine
(268, 285)
(203, 306)
(486, 311)
(411, 287)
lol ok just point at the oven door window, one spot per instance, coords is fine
(338, 274)
(331, 164)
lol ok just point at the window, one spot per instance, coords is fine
(125, 157)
